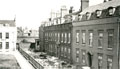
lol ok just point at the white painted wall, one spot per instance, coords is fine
(12, 38)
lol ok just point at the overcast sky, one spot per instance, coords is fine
(31, 12)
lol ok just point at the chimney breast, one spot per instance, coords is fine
(71, 9)
(105, 1)
(84, 4)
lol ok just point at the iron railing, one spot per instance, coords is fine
(30, 59)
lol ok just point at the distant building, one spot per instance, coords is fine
(26, 38)
(26, 32)
(8, 35)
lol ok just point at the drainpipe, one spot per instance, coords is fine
(118, 50)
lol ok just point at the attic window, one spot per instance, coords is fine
(88, 15)
(111, 10)
(98, 13)
(54, 21)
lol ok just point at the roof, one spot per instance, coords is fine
(56, 18)
(74, 13)
(26, 39)
(10, 22)
(101, 6)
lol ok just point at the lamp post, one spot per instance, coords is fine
(58, 48)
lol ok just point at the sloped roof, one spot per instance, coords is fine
(26, 39)
(102, 6)
(10, 22)
(74, 13)
(56, 18)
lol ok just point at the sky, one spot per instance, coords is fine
(30, 13)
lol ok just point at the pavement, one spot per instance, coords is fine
(24, 64)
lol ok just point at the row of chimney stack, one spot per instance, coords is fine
(84, 5)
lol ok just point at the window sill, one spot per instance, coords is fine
(90, 46)
(83, 64)
(68, 42)
(65, 42)
(83, 44)
(100, 47)
(110, 49)
(77, 42)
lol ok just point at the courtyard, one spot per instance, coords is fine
(8, 61)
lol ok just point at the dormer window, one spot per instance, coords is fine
(54, 21)
(111, 10)
(58, 21)
(107, 0)
(98, 13)
(88, 15)
(73, 17)
(79, 17)
(47, 24)
(51, 23)
(62, 20)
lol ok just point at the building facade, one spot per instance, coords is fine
(8, 35)
(58, 41)
(91, 38)
(26, 36)
(96, 37)
(55, 36)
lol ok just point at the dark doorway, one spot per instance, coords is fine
(90, 59)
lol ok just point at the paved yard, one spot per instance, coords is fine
(8, 61)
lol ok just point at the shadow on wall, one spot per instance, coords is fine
(24, 41)
(32, 47)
